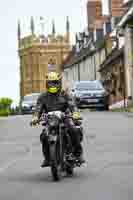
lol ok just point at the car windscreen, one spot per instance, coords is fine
(89, 86)
(30, 98)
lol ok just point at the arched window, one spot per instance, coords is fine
(51, 64)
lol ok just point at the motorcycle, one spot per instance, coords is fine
(60, 146)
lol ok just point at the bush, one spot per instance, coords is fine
(5, 104)
(4, 113)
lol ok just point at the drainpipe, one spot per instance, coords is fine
(95, 72)
(78, 72)
(124, 82)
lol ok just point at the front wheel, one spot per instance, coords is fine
(55, 166)
(69, 171)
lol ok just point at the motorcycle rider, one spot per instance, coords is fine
(57, 99)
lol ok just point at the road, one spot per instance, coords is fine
(107, 175)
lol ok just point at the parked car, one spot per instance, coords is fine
(28, 103)
(90, 94)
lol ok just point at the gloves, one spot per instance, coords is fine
(34, 121)
(76, 115)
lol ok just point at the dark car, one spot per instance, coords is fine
(28, 103)
(90, 94)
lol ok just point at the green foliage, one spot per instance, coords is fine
(4, 112)
(5, 104)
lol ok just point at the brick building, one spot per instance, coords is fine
(94, 12)
(116, 8)
(96, 20)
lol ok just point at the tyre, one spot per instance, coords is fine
(54, 171)
(69, 171)
(55, 166)
(106, 107)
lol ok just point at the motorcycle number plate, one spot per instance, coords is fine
(78, 126)
(52, 137)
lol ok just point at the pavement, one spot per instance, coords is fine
(108, 150)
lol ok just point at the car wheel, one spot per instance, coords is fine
(106, 107)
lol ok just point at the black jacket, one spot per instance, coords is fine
(51, 102)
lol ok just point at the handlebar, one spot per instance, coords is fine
(45, 115)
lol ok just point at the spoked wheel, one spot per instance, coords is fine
(55, 162)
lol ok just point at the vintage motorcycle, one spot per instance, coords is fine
(60, 145)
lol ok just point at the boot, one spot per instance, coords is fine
(45, 163)
(80, 159)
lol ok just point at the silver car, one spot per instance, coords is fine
(28, 103)
(90, 94)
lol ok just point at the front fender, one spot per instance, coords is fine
(52, 137)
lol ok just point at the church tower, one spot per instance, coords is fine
(32, 26)
(19, 31)
(53, 28)
(40, 54)
(67, 30)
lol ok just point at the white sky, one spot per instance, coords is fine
(11, 11)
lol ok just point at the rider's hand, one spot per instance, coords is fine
(76, 115)
(34, 121)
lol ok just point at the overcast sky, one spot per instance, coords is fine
(11, 11)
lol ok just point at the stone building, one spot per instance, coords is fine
(117, 70)
(38, 55)
(113, 75)
(84, 65)
(104, 54)
(125, 29)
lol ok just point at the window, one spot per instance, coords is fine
(51, 64)
(94, 85)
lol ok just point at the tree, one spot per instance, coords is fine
(5, 103)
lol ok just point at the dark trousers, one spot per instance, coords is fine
(74, 133)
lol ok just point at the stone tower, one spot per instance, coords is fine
(38, 55)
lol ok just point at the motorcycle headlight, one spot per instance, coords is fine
(53, 122)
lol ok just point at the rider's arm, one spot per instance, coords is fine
(71, 103)
(40, 107)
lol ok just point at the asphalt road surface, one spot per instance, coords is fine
(107, 175)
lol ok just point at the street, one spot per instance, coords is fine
(108, 150)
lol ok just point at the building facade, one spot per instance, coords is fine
(38, 55)
(117, 69)
(113, 75)
(84, 65)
